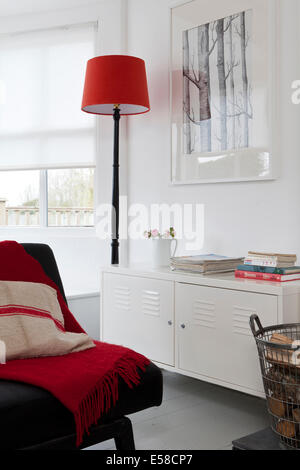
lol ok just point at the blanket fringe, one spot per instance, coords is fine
(105, 394)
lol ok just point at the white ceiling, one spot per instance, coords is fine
(19, 7)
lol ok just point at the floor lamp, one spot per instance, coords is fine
(115, 85)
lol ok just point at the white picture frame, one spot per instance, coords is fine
(259, 161)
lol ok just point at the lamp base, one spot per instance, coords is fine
(116, 190)
(115, 252)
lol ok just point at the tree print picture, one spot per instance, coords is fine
(217, 87)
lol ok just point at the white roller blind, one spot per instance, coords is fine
(41, 85)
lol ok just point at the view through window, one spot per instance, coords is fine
(69, 194)
(71, 197)
(19, 198)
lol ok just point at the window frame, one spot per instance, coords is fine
(44, 209)
(43, 199)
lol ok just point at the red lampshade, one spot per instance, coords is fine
(115, 80)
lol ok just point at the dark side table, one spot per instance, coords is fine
(262, 440)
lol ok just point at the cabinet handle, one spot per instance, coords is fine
(170, 323)
(183, 326)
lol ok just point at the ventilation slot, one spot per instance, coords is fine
(122, 298)
(151, 303)
(204, 314)
(241, 318)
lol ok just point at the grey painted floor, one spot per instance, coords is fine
(195, 416)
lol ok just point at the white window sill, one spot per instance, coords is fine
(82, 295)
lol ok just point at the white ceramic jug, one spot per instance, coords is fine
(161, 251)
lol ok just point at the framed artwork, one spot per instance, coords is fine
(223, 91)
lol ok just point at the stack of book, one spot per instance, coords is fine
(269, 267)
(205, 264)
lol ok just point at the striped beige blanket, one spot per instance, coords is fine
(32, 323)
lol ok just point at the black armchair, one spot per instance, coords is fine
(33, 419)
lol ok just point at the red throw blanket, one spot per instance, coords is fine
(84, 382)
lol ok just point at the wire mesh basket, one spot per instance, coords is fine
(279, 355)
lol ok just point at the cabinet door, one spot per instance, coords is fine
(215, 339)
(139, 313)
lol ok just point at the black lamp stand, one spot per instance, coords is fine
(116, 190)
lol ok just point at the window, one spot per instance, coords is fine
(47, 144)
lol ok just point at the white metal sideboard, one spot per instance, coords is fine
(194, 325)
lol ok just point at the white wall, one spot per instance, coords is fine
(86, 311)
(78, 254)
(239, 216)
